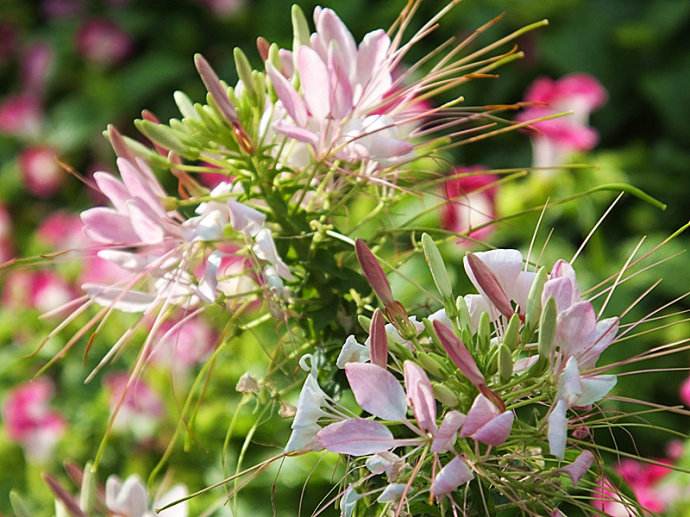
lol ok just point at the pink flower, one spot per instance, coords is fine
(555, 139)
(61, 8)
(103, 42)
(141, 408)
(20, 115)
(184, 344)
(40, 290)
(685, 392)
(36, 64)
(41, 171)
(471, 203)
(62, 230)
(30, 421)
(224, 8)
(343, 87)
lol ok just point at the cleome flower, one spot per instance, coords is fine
(464, 396)
(341, 109)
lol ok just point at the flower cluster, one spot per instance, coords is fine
(478, 377)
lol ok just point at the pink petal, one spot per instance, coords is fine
(575, 325)
(420, 396)
(373, 272)
(356, 437)
(371, 56)
(145, 222)
(562, 290)
(125, 300)
(579, 467)
(288, 96)
(341, 89)
(113, 189)
(315, 82)
(107, 226)
(558, 429)
(139, 186)
(481, 413)
(297, 133)
(331, 28)
(453, 475)
(496, 431)
(377, 391)
(444, 437)
(215, 88)
(569, 384)
(603, 336)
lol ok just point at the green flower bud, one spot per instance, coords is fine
(533, 309)
(364, 322)
(505, 363)
(438, 269)
(463, 312)
(430, 364)
(484, 332)
(300, 27)
(89, 490)
(547, 328)
(244, 72)
(512, 333)
(445, 395)
(19, 506)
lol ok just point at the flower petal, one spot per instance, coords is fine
(595, 388)
(352, 352)
(377, 391)
(290, 99)
(315, 82)
(356, 437)
(444, 437)
(579, 467)
(558, 429)
(420, 396)
(125, 300)
(453, 475)
(107, 226)
(497, 430)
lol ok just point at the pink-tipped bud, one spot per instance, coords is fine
(579, 467)
(459, 354)
(262, 45)
(41, 171)
(374, 273)
(378, 343)
(489, 285)
(216, 89)
(118, 144)
(64, 496)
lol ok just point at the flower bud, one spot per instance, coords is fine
(445, 395)
(398, 317)
(437, 268)
(533, 309)
(216, 89)
(19, 506)
(300, 27)
(484, 332)
(378, 342)
(247, 384)
(512, 333)
(244, 72)
(464, 317)
(374, 274)
(489, 285)
(364, 322)
(547, 328)
(505, 363)
(89, 490)
(459, 354)
(430, 363)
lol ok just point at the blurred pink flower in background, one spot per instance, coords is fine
(141, 407)
(553, 140)
(37, 62)
(685, 392)
(61, 8)
(41, 171)
(182, 345)
(223, 8)
(29, 420)
(6, 248)
(471, 202)
(62, 230)
(40, 290)
(103, 42)
(20, 115)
